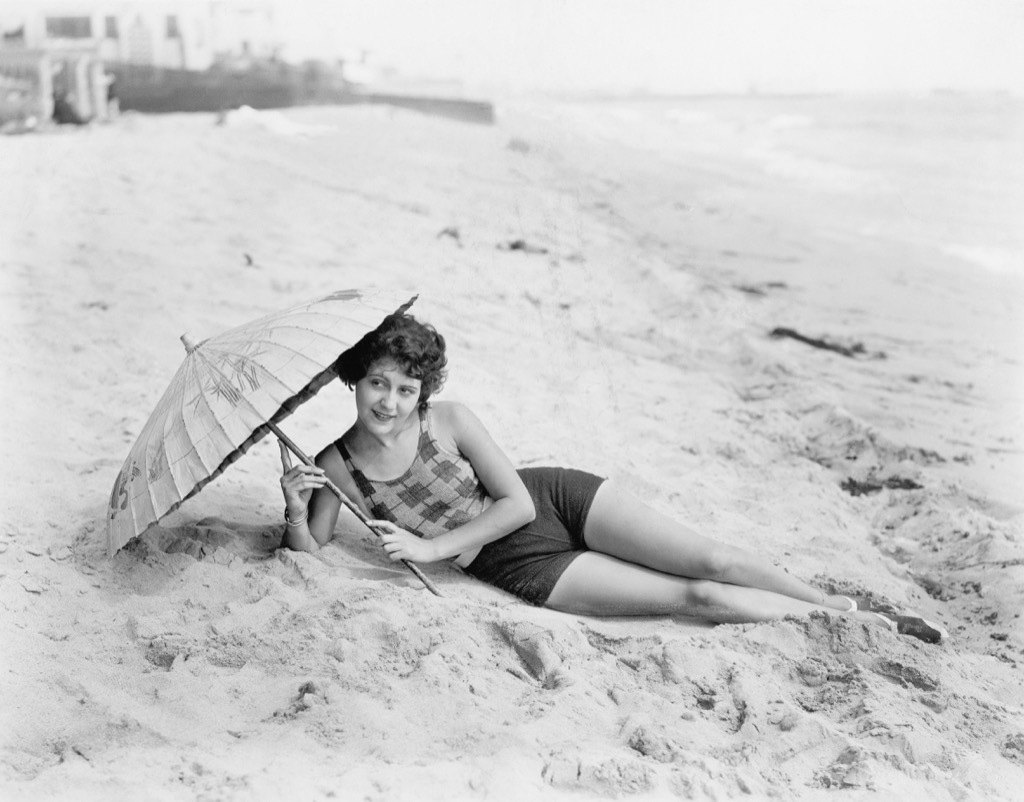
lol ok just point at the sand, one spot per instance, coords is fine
(607, 275)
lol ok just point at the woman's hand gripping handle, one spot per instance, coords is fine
(298, 483)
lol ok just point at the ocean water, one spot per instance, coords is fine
(942, 169)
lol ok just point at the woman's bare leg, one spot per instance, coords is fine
(620, 525)
(598, 584)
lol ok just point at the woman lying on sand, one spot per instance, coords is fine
(432, 477)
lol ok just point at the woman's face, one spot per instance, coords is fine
(386, 396)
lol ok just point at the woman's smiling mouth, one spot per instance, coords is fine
(381, 416)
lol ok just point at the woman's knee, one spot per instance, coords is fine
(701, 593)
(720, 563)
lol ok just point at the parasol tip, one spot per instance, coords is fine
(189, 342)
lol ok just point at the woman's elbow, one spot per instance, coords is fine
(527, 510)
(295, 542)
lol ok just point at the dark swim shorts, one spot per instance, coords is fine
(529, 561)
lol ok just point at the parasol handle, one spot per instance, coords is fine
(348, 503)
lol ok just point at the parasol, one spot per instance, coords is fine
(230, 392)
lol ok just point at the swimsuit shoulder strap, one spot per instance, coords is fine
(352, 469)
(364, 485)
(426, 435)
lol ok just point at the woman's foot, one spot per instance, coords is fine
(915, 627)
(868, 604)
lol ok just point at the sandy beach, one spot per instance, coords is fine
(608, 275)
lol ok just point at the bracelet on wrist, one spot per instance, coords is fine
(302, 519)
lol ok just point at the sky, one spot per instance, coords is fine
(675, 46)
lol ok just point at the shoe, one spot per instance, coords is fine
(915, 627)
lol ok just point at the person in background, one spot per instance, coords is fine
(64, 111)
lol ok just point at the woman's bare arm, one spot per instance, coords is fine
(324, 507)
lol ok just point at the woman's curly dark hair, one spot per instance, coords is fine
(415, 347)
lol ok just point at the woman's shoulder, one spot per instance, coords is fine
(454, 415)
(334, 456)
(332, 462)
(448, 410)
(449, 421)
(330, 458)
(336, 450)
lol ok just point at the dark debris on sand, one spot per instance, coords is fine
(858, 488)
(851, 351)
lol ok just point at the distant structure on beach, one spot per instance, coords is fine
(59, 47)
(174, 34)
(85, 59)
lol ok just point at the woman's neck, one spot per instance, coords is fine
(384, 456)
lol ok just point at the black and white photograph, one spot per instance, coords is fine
(441, 400)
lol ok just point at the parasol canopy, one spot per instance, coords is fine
(231, 390)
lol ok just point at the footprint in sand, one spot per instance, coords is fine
(288, 569)
(535, 646)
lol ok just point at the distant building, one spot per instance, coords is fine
(60, 47)
(175, 34)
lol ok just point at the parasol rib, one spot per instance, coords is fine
(202, 398)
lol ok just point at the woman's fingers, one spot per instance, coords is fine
(289, 470)
(402, 545)
(299, 482)
(304, 471)
(392, 539)
(307, 483)
(286, 457)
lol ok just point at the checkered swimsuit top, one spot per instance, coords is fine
(439, 492)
